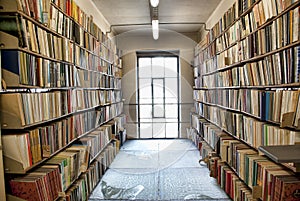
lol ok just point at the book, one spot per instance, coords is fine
(290, 187)
(38, 185)
(16, 151)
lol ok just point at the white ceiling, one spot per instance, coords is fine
(175, 15)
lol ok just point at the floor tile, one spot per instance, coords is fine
(158, 170)
(136, 159)
(127, 184)
(188, 183)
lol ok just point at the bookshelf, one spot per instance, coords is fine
(61, 103)
(246, 98)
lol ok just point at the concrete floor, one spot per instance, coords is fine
(158, 170)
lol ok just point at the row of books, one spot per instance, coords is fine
(211, 134)
(43, 142)
(226, 177)
(265, 105)
(255, 133)
(72, 10)
(268, 9)
(226, 20)
(252, 131)
(20, 68)
(193, 135)
(225, 58)
(266, 135)
(38, 40)
(258, 172)
(259, 14)
(64, 25)
(91, 79)
(47, 13)
(86, 32)
(276, 69)
(229, 121)
(277, 34)
(229, 37)
(271, 105)
(93, 60)
(60, 174)
(97, 139)
(227, 78)
(67, 166)
(87, 182)
(30, 108)
(61, 24)
(244, 5)
(227, 98)
(119, 123)
(39, 10)
(281, 32)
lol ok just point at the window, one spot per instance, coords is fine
(158, 95)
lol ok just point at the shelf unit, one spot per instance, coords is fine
(246, 97)
(61, 93)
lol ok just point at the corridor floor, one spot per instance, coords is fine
(158, 170)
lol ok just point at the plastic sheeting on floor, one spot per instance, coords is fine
(158, 170)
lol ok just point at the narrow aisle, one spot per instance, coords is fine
(158, 170)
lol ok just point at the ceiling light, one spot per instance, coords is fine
(155, 30)
(154, 3)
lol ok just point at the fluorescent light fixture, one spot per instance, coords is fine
(154, 3)
(155, 30)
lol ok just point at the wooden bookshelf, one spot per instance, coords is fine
(230, 72)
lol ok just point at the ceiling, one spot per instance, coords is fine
(183, 16)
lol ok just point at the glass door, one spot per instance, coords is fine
(158, 97)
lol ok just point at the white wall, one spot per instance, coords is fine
(168, 40)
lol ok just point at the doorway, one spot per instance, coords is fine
(158, 95)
